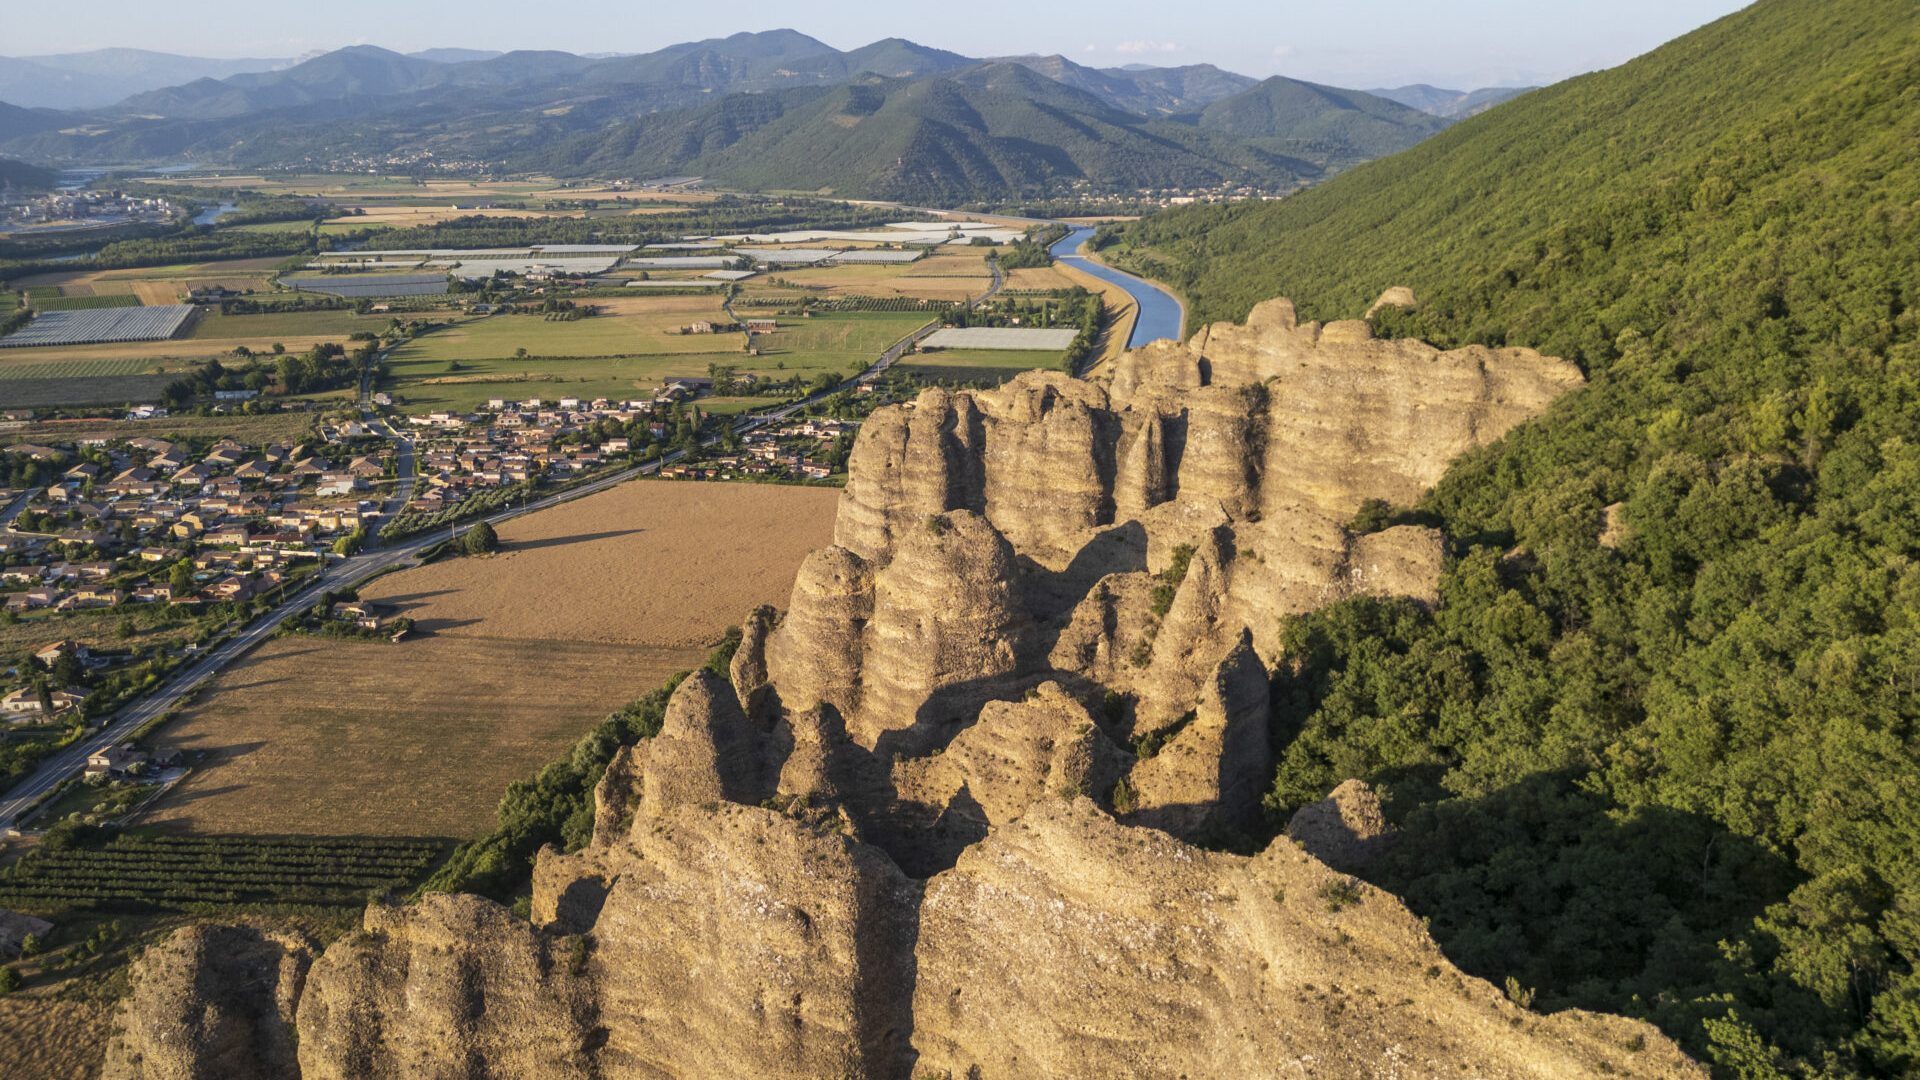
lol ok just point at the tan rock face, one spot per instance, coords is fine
(1066, 945)
(211, 1001)
(1346, 830)
(936, 822)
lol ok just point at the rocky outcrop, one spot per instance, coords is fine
(211, 1001)
(1346, 830)
(1066, 944)
(16, 928)
(940, 820)
(450, 988)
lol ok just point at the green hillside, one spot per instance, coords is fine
(1320, 123)
(988, 132)
(19, 174)
(1674, 779)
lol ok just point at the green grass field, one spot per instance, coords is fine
(287, 323)
(976, 365)
(601, 336)
(47, 393)
(83, 303)
(77, 369)
(265, 428)
(559, 365)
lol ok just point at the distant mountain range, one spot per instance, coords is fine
(1451, 104)
(93, 80)
(776, 109)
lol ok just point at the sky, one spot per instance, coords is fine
(1355, 43)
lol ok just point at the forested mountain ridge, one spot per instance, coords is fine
(1321, 123)
(997, 127)
(1152, 91)
(754, 110)
(1655, 749)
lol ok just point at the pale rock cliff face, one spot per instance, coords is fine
(1051, 949)
(211, 1001)
(937, 822)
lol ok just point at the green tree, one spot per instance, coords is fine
(480, 540)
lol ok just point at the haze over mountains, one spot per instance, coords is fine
(774, 109)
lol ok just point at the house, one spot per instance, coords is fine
(762, 326)
(339, 484)
(115, 760)
(364, 614)
(45, 596)
(91, 596)
(231, 588)
(57, 651)
(236, 535)
(24, 705)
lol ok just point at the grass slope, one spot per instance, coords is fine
(1672, 778)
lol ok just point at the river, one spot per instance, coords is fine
(1161, 316)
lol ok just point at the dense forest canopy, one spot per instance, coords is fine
(1672, 774)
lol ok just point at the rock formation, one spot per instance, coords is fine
(941, 819)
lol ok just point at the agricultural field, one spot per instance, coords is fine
(210, 336)
(976, 365)
(84, 303)
(157, 285)
(629, 351)
(628, 326)
(331, 325)
(1120, 306)
(39, 384)
(142, 872)
(588, 606)
(50, 1038)
(287, 427)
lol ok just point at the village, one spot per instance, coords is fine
(65, 210)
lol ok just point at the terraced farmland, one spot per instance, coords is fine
(184, 873)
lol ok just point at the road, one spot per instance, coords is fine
(14, 508)
(1162, 316)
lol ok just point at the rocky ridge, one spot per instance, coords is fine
(941, 819)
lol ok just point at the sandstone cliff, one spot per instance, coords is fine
(941, 819)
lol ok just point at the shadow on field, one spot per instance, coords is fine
(430, 627)
(577, 538)
(181, 796)
(407, 601)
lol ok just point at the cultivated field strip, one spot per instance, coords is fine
(148, 872)
(371, 285)
(89, 327)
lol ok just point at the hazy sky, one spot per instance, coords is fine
(1359, 43)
